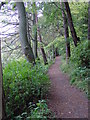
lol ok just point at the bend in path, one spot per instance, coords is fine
(64, 100)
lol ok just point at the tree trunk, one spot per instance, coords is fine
(72, 29)
(35, 32)
(66, 33)
(0, 85)
(26, 47)
(53, 52)
(29, 28)
(89, 25)
(42, 49)
(56, 52)
(2, 96)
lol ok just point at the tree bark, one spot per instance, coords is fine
(71, 25)
(0, 85)
(56, 52)
(26, 47)
(42, 49)
(2, 96)
(35, 31)
(53, 52)
(66, 33)
(89, 24)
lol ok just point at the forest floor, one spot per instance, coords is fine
(64, 100)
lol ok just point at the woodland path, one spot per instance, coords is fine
(64, 100)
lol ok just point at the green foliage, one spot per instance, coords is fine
(79, 62)
(55, 42)
(78, 66)
(80, 18)
(59, 43)
(52, 12)
(80, 54)
(23, 83)
(39, 110)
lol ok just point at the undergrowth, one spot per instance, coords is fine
(79, 66)
(24, 84)
(39, 110)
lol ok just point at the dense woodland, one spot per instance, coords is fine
(32, 34)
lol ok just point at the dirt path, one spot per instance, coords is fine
(64, 100)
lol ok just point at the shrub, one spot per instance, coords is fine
(78, 66)
(39, 110)
(24, 83)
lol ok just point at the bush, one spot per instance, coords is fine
(80, 55)
(78, 66)
(24, 83)
(39, 110)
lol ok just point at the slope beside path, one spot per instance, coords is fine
(64, 100)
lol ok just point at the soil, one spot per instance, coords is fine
(64, 100)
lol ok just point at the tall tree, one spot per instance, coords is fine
(26, 47)
(71, 25)
(66, 32)
(35, 30)
(89, 25)
(42, 49)
(2, 96)
(0, 84)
